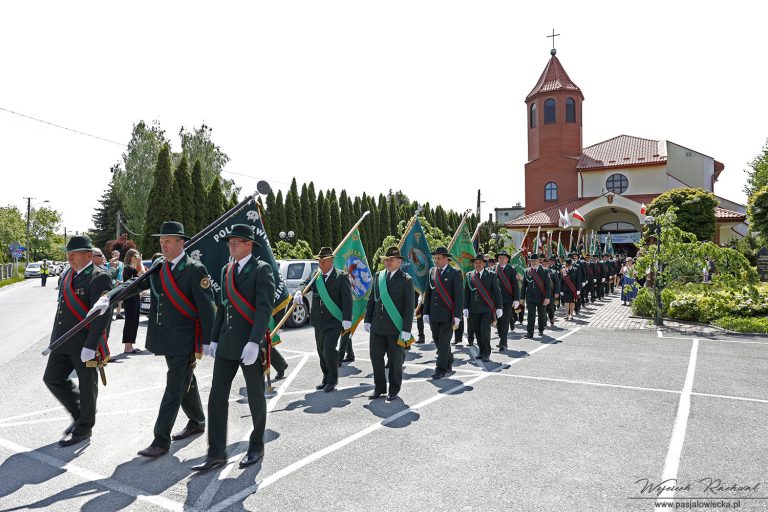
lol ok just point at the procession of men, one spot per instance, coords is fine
(185, 324)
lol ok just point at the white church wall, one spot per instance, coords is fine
(690, 167)
(642, 180)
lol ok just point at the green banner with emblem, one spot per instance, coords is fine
(462, 249)
(351, 259)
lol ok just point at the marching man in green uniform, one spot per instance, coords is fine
(510, 295)
(554, 293)
(330, 312)
(389, 318)
(81, 287)
(181, 312)
(536, 289)
(443, 305)
(482, 304)
(239, 336)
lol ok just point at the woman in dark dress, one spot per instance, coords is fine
(133, 268)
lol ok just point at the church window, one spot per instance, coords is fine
(617, 183)
(570, 111)
(618, 226)
(533, 115)
(549, 111)
(550, 191)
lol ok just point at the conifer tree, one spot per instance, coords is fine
(278, 218)
(336, 233)
(199, 198)
(160, 206)
(269, 218)
(324, 220)
(216, 201)
(383, 217)
(183, 196)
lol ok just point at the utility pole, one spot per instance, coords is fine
(478, 205)
(29, 206)
(117, 224)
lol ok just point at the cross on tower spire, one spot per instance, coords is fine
(553, 36)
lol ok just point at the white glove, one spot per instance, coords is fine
(515, 304)
(206, 349)
(456, 321)
(578, 292)
(367, 327)
(101, 305)
(250, 353)
(212, 350)
(346, 324)
(499, 313)
(466, 313)
(425, 318)
(87, 354)
(405, 336)
(602, 280)
(298, 298)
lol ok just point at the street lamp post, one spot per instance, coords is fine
(656, 228)
(287, 237)
(29, 208)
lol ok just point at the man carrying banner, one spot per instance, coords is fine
(482, 304)
(389, 317)
(554, 294)
(577, 280)
(82, 286)
(536, 289)
(330, 312)
(510, 293)
(443, 305)
(181, 312)
(238, 339)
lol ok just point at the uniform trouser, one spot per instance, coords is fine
(593, 291)
(43, 279)
(345, 347)
(277, 361)
(458, 334)
(536, 310)
(381, 344)
(521, 314)
(224, 371)
(180, 391)
(481, 325)
(442, 333)
(504, 323)
(80, 403)
(420, 326)
(551, 310)
(326, 341)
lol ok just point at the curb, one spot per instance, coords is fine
(709, 326)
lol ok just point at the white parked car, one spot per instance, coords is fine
(293, 273)
(32, 270)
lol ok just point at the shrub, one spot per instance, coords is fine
(739, 324)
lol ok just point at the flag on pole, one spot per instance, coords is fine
(560, 247)
(537, 242)
(417, 257)
(518, 263)
(576, 215)
(642, 209)
(213, 252)
(462, 249)
(609, 245)
(564, 221)
(351, 258)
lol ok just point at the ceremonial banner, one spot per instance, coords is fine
(462, 249)
(561, 249)
(417, 257)
(518, 262)
(213, 252)
(351, 258)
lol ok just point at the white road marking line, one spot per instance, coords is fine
(90, 476)
(587, 383)
(300, 352)
(209, 493)
(715, 339)
(758, 400)
(364, 387)
(68, 419)
(286, 471)
(661, 334)
(672, 461)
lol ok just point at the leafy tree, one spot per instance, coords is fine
(333, 205)
(160, 201)
(43, 240)
(198, 145)
(695, 207)
(200, 199)
(105, 217)
(757, 213)
(298, 250)
(13, 228)
(183, 197)
(324, 220)
(133, 182)
(216, 201)
(757, 176)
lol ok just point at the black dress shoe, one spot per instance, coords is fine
(209, 463)
(391, 398)
(529, 336)
(187, 432)
(486, 359)
(349, 359)
(321, 385)
(450, 366)
(541, 333)
(420, 340)
(69, 429)
(439, 374)
(340, 361)
(478, 356)
(71, 439)
(502, 349)
(252, 458)
(329, 388)
(280, 374)
(376, 394)
(152, 451)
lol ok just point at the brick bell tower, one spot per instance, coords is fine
(554, 138)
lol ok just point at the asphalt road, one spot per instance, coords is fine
(574, 425)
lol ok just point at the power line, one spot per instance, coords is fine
(62, 127)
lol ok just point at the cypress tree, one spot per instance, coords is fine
(314, 218)
(383, 217)
(105, 217)
(216, 201)
(394, 215)
(183, 195)
(363, 228)
(346, 212)
(278, 218)
(292, 209)
(440, 219)
(306, 216)
(268, 217)
(199, 198)
(336, 233)
(160, 207)
(233, 200)
(324, 221)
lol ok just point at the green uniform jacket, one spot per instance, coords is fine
(531, 291)
(403, 295)
(340, 291)
(554, 276)
(434, 305)
(89, 286)
(170, 333)
(473, 301)
(256, 283)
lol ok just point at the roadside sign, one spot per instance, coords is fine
(14, 246)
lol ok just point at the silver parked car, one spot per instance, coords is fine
(293, 273)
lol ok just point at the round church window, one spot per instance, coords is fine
(617, 183)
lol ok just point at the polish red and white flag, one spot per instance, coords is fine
(642, 209)
(576, 215)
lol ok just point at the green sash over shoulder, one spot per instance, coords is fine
(392, 311)
(329, 304)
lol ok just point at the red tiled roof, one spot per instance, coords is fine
(554, 78)
(549, 216)
(622, 151)
(726, 215)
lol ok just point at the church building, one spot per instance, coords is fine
(606, 183)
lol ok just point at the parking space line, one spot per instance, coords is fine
(586, 383)
(68, 419)
(91, 476)
(745, 399)
(672, 461)
(300, 352)
(288, 470)
(711, 339)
